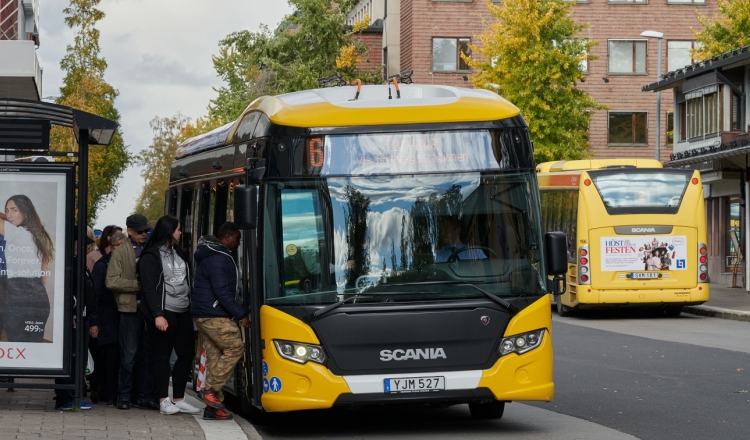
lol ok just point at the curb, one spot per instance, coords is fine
(718, 312)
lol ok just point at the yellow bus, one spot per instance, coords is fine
(392, 247)
(636, 233)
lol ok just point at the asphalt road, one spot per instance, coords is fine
(685, 377)
(618, 376)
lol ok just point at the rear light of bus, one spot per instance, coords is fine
(694, 180)
(300, 352)
(584, 265)
(702, 263)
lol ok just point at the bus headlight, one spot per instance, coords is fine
(522, 343)
(300, 352)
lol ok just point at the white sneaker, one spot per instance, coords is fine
(168, 407)
(185, 407)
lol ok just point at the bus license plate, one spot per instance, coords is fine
(415, 384)
(644, 275)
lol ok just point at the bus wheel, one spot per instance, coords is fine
(562, 309)
(261, 418)
(487, 410)
(673, 311)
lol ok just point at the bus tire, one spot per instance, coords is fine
(260, 417)
(673, 311)
(562, 309)
(487, 410)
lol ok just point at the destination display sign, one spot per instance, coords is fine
(645, 253)
(387, 153)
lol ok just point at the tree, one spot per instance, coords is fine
(311, 43)
(531, 54)
(157, 159)
(84, 88)
(239, 68)
(727, 30)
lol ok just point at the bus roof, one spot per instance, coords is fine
(595, 164)
(376, 105)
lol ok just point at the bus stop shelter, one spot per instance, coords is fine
(60, 189)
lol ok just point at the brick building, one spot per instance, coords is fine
(431, 33)
(712, 135)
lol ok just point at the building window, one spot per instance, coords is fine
(627, 57)
(686, 2)
(627, 128)
(678, 54)
(734, 237)
(737, 116)
(670, 128)
(627, 1)
(702, 112)
(446, 54)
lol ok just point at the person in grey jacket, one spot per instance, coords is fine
(164, 272)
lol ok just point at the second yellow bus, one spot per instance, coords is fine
(636, 233)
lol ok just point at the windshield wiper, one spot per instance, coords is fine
(494, 298)
(318, 313)
(328, 308)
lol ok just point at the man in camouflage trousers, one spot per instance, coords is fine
(217, 312)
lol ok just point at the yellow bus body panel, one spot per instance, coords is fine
(304, 386)
(313, 386)
(527, 376)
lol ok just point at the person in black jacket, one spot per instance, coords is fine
(216, 312)
(105, 324)
(164, 274)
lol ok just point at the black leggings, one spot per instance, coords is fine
(180, 338)
(26, 310)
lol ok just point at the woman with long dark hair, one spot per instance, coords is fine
(164, 274)
(28, 253)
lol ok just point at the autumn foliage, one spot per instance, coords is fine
(531, 54)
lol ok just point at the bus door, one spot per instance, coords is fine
(643, 232)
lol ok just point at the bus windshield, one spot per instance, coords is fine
(412, 237)
(639, 191)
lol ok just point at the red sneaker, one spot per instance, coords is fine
(211, 400)
(216, 414)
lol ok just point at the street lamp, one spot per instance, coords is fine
(659, 36)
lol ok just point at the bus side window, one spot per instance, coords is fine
(301, 241)
(219, 198)
(186, 217)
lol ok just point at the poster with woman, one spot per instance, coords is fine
(34, 214)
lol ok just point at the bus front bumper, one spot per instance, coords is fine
(312, 386)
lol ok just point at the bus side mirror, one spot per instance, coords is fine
(246, 206)
(556, 248)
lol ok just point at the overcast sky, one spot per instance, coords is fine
(159, 58)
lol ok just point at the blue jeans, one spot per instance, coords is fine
(136, 347)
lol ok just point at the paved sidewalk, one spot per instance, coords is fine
(31, 414)
(724, 302)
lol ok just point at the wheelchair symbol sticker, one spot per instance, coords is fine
(265, 385)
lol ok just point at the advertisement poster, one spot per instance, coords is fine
(662, 252)
(32, 266)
